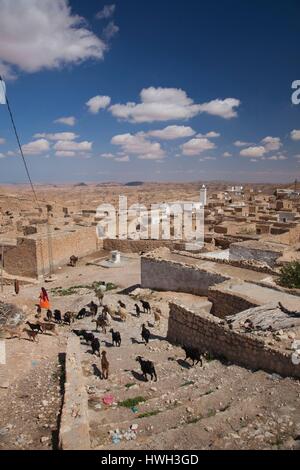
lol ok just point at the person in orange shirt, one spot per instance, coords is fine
(44, 299)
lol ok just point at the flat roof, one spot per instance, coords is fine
(259, 295)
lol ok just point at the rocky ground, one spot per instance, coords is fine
(216, 406)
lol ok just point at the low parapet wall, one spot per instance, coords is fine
(206, 332)
(167, 275)
(74, 428)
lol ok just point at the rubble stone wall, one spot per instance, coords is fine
(204, 332)
(269, 257)
(21, 260)
(136, 246)
(158, 274)
(225, 303)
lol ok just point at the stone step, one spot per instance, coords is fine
(190, 431)
(191, 404)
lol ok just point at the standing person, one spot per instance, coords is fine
(44, 299)
(17, 286)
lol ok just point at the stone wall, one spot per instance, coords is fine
(245, 264)
(22, 259)
(225, 303)
(74, 427)
(204, 332)
(31, 257)
(240, 252)
(81, 242)
(136, 246)
(158, 274)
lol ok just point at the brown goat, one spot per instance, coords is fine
(48, 327)
(11, 333)
(104, 365)
(33, 335)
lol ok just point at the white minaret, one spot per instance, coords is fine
(203, 196)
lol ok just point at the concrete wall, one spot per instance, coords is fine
(203, 331)
(74, 428)
(158, 274)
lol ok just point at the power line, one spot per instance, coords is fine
(18, 140)
(23, 159)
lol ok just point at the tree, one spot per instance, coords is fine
(290, 275)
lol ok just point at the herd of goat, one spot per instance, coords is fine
(103, 321)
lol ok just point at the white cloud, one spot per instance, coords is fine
(166, 104)
(97, 103)
(107, 12)
(239, 143)
(204, 159)
(222, 108)
(65, 153)
(37, 35)
(139, 145)
(110, 31)
(278, 158)
(227, 154)
(2, 155)
(271, 143)
(2, 141)
(124, 159)
(36, 147)
(70, 146)
(58, 136)
(295, 135)
(172, 133)
(68, 121)
(210, 135)
(196, 146)
(107, 155)
(253, 152)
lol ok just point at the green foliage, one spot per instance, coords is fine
(290, 275)
(149, 414)
(61, 292)
(132, 402)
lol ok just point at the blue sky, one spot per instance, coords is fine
(208, 86)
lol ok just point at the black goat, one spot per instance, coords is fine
(49, 315)
(68, 318)
(145, 334)
(96, 346)
(57, 316)
(146, 306)
(93, 308)
(122, 305)
(116, 338)
(88, 337)
(147, 367)
(82, 314)
(193, 354)
(34, 327)
(78, 333)
(138, 310)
